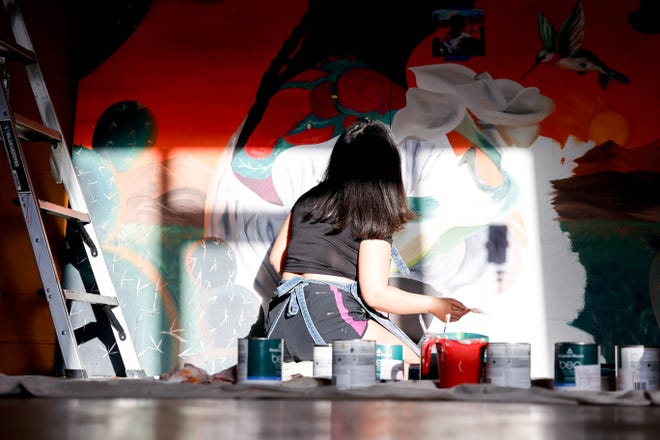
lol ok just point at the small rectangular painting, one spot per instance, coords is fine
(458, 33)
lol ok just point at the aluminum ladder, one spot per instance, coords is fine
(17, 129)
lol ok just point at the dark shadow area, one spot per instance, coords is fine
(100, 27)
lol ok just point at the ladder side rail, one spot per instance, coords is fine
(60, 154)
(35, 75)
(104, 282)
(63, 164)
(38, 239)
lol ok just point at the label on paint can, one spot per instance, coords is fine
(508, 364)
(322, 361)
(259, 361)
(579, 360)
(588, 377)
(353, 363)
(389, 362)
(637, 367)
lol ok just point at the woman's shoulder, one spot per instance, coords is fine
(389, 240)
(309, 197)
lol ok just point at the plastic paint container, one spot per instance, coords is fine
(353, 363)
(577, 366)
(508, 364)
(637, 367)
(429, 358)
(461, 358)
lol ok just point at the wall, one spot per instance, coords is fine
(198, 133)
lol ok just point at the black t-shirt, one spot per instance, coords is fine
(314, 247)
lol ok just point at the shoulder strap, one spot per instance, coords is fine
(398, 260)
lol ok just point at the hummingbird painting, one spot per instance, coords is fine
(564, 50)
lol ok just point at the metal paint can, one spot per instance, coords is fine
(509, 364)
(353, 363)
(260, 361)
(322, 368)
(241, 364)
(577, 366)
(389, 362)
(637, 367)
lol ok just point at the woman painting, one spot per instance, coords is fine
(334, 253)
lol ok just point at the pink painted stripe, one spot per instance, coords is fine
(359, 326)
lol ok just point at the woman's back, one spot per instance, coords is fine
(315, 248)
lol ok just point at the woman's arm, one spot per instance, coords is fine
(374, 260)
(278, 250)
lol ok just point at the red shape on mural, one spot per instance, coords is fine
(285, 111)
(311, 136)
(321, 101)
(364, 90)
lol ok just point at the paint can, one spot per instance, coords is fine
(322, 361)
(241, 364)
(607, 377)
(260, 361)
(389, 362)
(414, 371)
(353, 363)
(637, 367)
(577, 366)
(509, 364)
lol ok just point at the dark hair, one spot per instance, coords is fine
(362, 187)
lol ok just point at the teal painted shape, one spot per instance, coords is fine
(123, 131)
(617, 260)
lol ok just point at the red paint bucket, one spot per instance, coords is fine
(461, 358)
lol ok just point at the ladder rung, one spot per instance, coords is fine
(34, 131)
(16, 53)
(90, 298)
(61, 211)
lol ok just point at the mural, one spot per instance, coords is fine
(531, 185)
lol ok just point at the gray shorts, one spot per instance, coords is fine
(334, 312)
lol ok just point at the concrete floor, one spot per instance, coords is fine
(164, 419)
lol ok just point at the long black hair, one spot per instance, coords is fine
(362, 187)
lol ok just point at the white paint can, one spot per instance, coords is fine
(353, 363)
(508, 364)
(637, 367)
(322, 368)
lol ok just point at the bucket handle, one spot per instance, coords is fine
(426, 353)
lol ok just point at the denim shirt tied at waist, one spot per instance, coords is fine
(295, 288)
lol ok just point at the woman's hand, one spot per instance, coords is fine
(442, 307)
